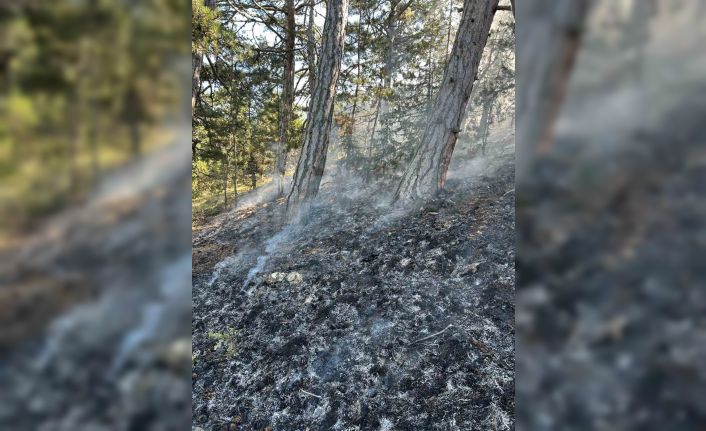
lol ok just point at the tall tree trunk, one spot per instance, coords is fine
(448, 31)
(430, 77)
(311, 50)
(388, 71)
(225, 181)
(548, 37)
(348, 139)
(234, 146)
(253, 172)
(196, 65)
(427, 172)
(484, 121)
(369, 170)
(312, 160)
(287, 99)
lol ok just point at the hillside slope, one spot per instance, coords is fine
(359, 317)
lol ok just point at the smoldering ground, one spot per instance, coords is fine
(358, 317)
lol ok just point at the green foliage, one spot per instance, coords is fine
(204, 26)
(79, 78)
(393, 63)
(236, 118)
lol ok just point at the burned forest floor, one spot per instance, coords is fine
(359, 316)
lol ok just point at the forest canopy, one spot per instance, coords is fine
(255, 67)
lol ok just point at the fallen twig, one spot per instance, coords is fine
(432, 335)
(309, 393)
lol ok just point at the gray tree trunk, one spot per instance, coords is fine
(484, 123)
(350, 127)
(426, 174)
(196, 65)
(371, 142)
(311, 50)
(388, 71)
(287, 99)
(548, 39)
(312, 160)
(225, 181)
(234, 146)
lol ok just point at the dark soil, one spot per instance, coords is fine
(401, 320)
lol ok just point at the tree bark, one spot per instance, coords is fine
(287, 99)
(311, 50)
(234, 147)
(369, 159)
(388, 70)
(196, 65)
(312, 160)
(252, 165)
(350, 127)
(426, 174)
(549, 37)
(484, 121)
(225, 181)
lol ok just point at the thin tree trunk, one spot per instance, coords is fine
(287, 99)
(430, 78)
(253, 172)
(351, 123)
(225, 182)
(369, 170)
(311, 50)
(312, 160)
(196, 65)
(388, 71)
(448, 32)
(484, 120)
(427, 172)
(234, 145)
(549, 37)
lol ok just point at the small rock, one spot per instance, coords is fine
(295, 277)
(276, 277)
(405, 262)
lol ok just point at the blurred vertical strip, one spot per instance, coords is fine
(95, 215)
(611, 216)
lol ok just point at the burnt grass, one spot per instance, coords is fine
(402, 320)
